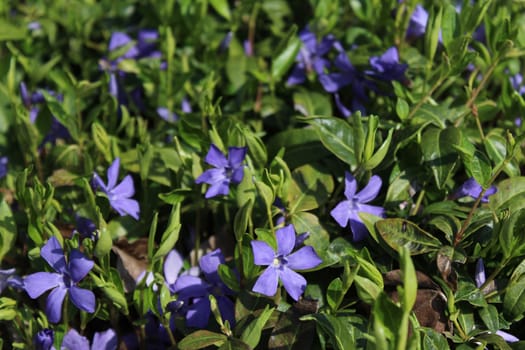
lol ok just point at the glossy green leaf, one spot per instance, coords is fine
(309, 189)
(201, 339)
(399, 232)
(170, 235)
(337, 136)
(252, 333)
(8, 231)
(337, 329)
(286, 58)
(439, 152)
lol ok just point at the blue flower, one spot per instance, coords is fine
(226, 171)
(194, 291)
(44, 339)
(8, 278)
(473, 189)
(106, 340)
(347, 211)
(310, 57)
(119, 196)
(61, 282)
(3, 166)
(387, 67)
(282, 263)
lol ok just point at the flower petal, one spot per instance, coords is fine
(199, 313)
(341, 213)
(53, 253)
(294, 283)
(117, 40)
(105, 340)
(359, 229)
(350, 185)
(371, 209)
(237, 175)
(99, 184)
(370, 191)
(480, 273)
(263, 254)
(38, 283)
(212, 176)
(79, 265)
(54, 303)
(507, 337)
(126, 207)
(298, 76)
(342, 108)
(83, 299)
(285, 240)
(267, 282)
(74, 341)
(215, 157)
(113, 171)
(172, 266)
(236, 156)
(209, 265)
(304, 258)
(227, 309)
(189, 287)
(125, 189)
(220, 188)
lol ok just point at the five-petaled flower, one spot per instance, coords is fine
(194, 292)
(119, 196)
(64, 280)
(226, 171)
(282, 263)
(348, 210)
(473, 189)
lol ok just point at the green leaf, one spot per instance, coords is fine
(242, 219)
(334, 293)
(367, 290)
(104, 243)
(229, 277)
(252, 333)
(338, 329)
(8, 230)
(380, 153)
(319, 238)
(402, 109)
(511, 237)
(222, 7)
(201, 339)
(409, 280)
(286, 58)
(309, 189)
(170, 235)
(399, 232)
(337, 136)
(56, 108)
(9, 31)
(438, 147)
(514, 300)
(311, 103)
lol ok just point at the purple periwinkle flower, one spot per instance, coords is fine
(347, 211)
(106, 340)
(119, 196)
(480, 278)
(387, 67)
(172, 267)
(44, 339)
(61, 282)
(310, 57)
(473, 189)
(225, 42)
(84, 226)
(226, 171)
(418, 22)
(282, 263)
(194, 292)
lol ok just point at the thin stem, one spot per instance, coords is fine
(460, 330)
(427, 96)
(415, 209)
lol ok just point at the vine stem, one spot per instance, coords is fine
(426, 97)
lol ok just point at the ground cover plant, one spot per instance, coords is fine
(181, 174)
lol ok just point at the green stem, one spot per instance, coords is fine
(415, 209)
(426, 97)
